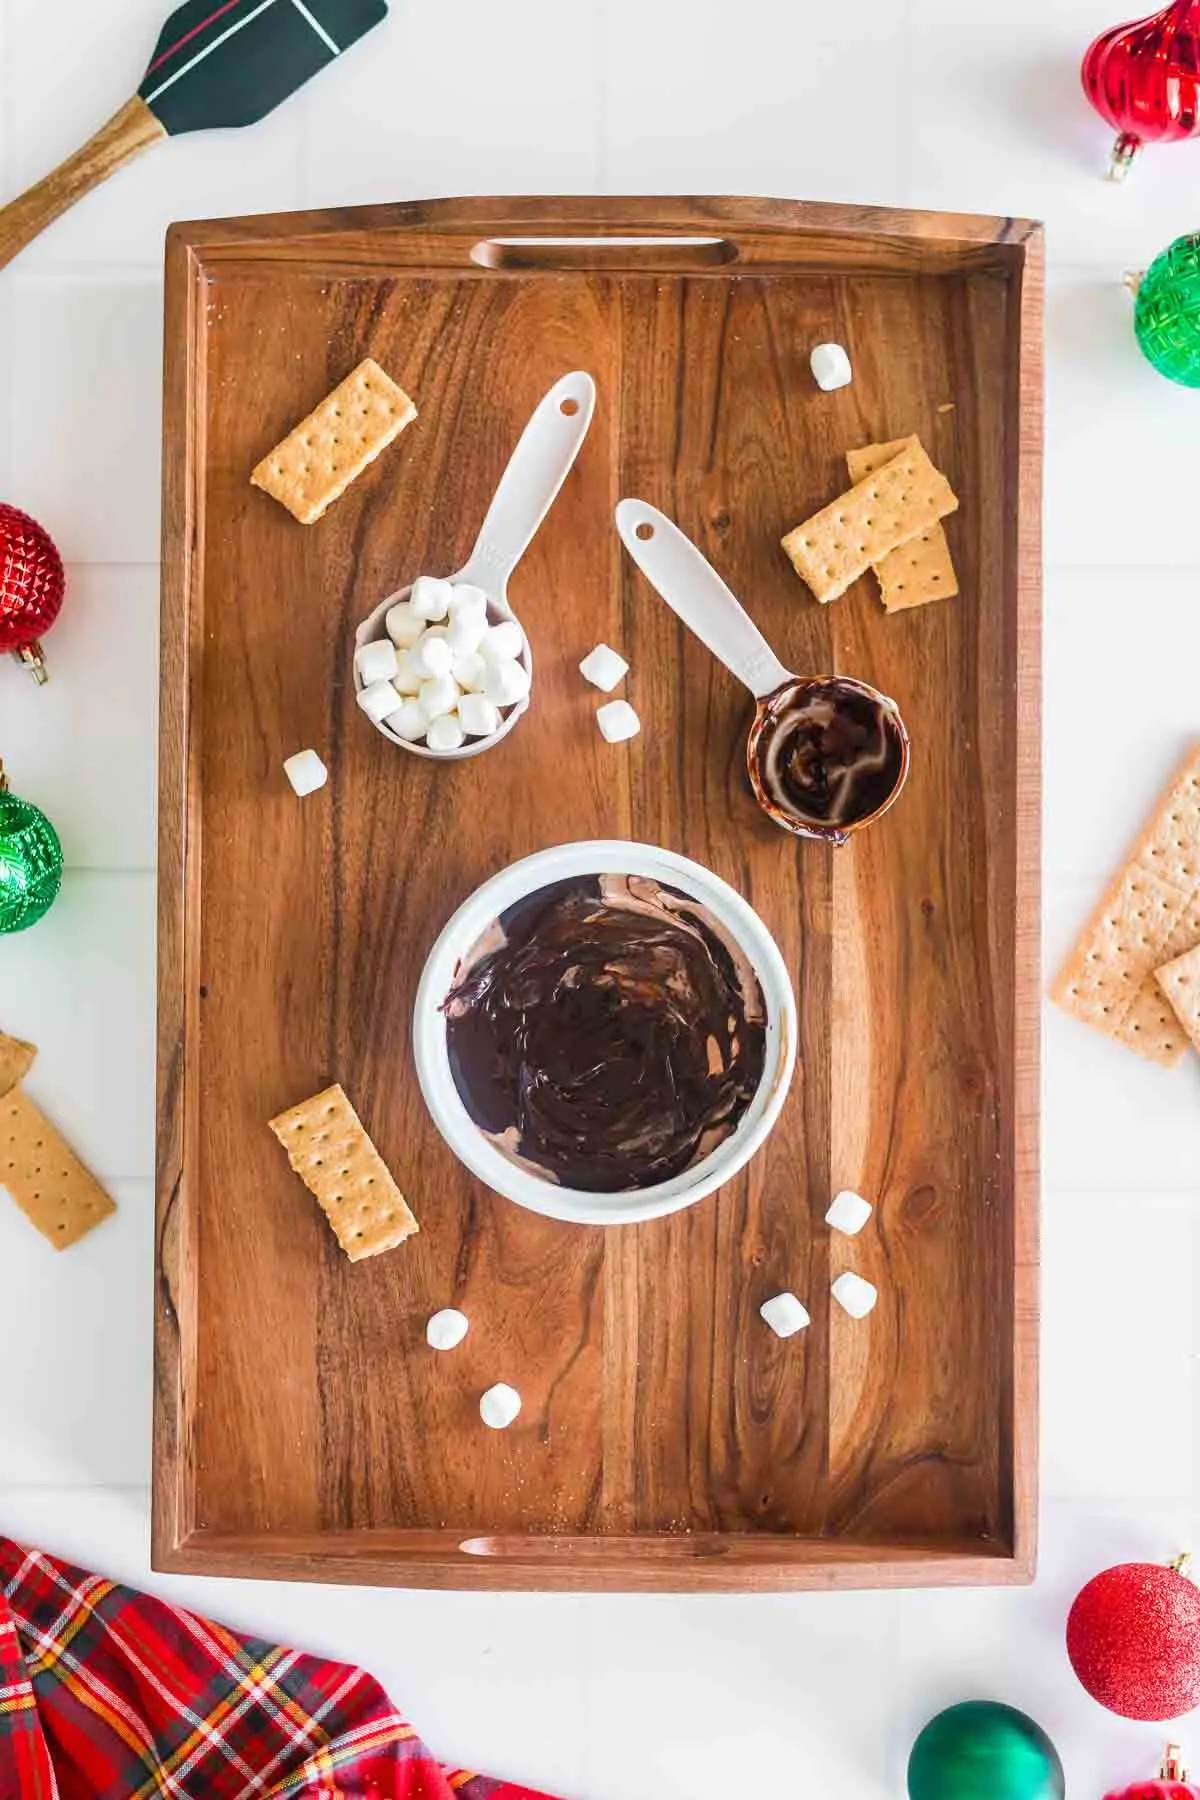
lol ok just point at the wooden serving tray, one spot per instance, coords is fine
(668, 1439)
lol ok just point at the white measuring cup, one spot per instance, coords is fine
(529, 486)
(683, 576)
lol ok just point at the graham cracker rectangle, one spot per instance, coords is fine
(916, 572)
(52, 1187)
(16, 1060)
(1149, 916)
(1180, 982)
(841, 542)
(315, 464)
(336, 1160)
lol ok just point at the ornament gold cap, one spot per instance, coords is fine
(3, 778)
(1182, 1564)
(34, 659)
(1123, 153)
(1172, 1768)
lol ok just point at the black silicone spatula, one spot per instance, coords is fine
(216, 63)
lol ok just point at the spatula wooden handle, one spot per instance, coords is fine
(132, 129)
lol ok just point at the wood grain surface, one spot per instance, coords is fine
(668, 1440)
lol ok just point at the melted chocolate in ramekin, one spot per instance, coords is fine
(608, 1032)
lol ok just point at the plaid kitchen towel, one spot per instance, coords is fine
(107, 1694)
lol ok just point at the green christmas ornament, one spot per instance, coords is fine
(31, 863)
(1166, 317)
(983, 1751)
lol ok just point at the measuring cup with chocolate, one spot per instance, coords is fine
(826, 754)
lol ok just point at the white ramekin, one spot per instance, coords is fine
(540, 1194)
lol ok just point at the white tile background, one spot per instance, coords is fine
(913, 102)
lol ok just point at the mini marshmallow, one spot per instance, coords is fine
(445, 733)
(478, 715)
(375, 662)
(500, 1406)
(831, 367)
(403, 625)
(466, 597)
(432, 656)
(466, 631)
(439, 696)
(469, 670)
(408, 678)
(446, 1330)
(785, 1315)
(306, 772)
(408, 721)
(617, 721)
(603, 668)
(503, 642)
(506, 682)
(854, 1295)
(378, 700)
(430, 599)
(849, 1213)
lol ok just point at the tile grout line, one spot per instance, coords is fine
(906, 160)
(601, 40)
(7, 311)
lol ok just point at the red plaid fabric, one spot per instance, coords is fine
(107, 1694)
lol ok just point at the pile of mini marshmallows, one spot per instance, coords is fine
(786, 1315)
(443, 674)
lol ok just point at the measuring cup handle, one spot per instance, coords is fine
(528, 487)
(692, 588)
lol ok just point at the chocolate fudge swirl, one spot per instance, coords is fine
(829, 753)
(608, 1032)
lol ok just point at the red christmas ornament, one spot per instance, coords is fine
(32, 585)
(1172, 1783)
(1133, 1637)
(1144, 79)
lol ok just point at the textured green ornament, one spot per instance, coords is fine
(31, 863)
(1166, 318)
(983, 1751)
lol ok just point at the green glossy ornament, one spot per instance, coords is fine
(1166, 318)
(31, 862)
(983, 1751)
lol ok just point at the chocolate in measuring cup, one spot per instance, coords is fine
(826, 754)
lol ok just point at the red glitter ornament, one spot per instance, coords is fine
(1144, 79)
(32, 585)
(1172, 1783)
(1133, 1637)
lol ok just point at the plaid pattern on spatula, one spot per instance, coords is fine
(108, 1694)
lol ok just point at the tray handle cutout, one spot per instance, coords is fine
(597, 1552)
(625, 253)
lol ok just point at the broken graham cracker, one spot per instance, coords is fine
(336, 1160)
(16, 1060)
(1150, 916)
(916, 572)
(316, 463)
(1180, 982)
(841, 542)
(52, 1187)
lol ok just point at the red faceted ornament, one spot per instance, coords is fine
(1144, 78)
(1172, 1783)
(32, 585)
(1133, 1637)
